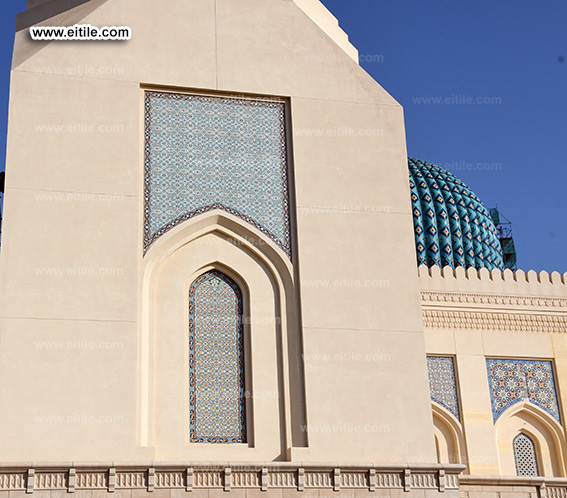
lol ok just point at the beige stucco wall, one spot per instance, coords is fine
(478, 314)
(94, 335)
(71, 267)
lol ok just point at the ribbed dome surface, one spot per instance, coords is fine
(452, 226)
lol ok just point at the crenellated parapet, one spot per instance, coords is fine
(493, 299)
(493, 281)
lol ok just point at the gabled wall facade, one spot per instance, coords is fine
(232, 163)
(94, 322)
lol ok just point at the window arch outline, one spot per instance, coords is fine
(525, 438)
(447, 424)
(244, 417)
(279, 270)
(544, 430)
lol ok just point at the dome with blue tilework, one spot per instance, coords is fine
(452, 226)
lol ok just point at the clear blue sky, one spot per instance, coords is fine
(511, 150)
(515, 51)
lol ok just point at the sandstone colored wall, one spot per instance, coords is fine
(79, 347)
(473, 315)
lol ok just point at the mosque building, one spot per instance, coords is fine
(205, 289)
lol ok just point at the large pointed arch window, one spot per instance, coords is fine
(216, 361)
(525, 456)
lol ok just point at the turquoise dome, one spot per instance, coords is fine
(452, 226)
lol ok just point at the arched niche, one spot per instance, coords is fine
(544, 431)
(449, 440)
(217, 240)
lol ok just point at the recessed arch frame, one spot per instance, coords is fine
(281, 271)
(556, 441)
(442, 416)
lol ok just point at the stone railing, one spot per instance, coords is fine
(226, 476)
(485, 486)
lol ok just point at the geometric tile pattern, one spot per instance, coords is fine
(513, 381)
(216, 361)
(525, 456)
(452, 226)
(204, 153)
(443, 383)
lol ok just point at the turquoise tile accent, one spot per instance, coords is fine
(452, 226)
(204, 153)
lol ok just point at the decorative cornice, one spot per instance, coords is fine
(479, 300)
(509, 322)
(459, 299)
(226, 476)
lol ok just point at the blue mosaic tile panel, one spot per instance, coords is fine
(216, 361)
(443, 383)
(204, 153)
(452, 226)
(512, 381)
